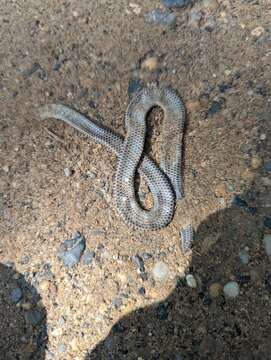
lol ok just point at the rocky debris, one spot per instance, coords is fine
(267, 244)
(138, 262)
(134, 86)
(68, 172)
(267, 166)
(159, 17)
(88, 257)
(244, 256)
(16, 295)
(231, 289)
(191, 281)
(71, 250)
(176, 3)
(160, 271)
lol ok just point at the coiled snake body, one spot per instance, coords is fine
(164, 181)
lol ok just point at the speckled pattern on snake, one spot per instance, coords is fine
(164, 181)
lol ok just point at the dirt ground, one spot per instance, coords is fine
(92, 55)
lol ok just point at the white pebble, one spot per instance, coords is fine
(231, 289)
(191, 281)
(244, 256)
(67, 172)
(267, 244)
(160, 271)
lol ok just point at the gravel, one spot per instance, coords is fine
(71, 250)
(16, 295)
(267, 244)
(159, 17)
(191, 281)
(231, 289)
(160, 271)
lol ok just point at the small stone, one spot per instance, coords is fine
(88, 257)
(258, 31)
(267, 222)
(68, 172)
(142, 291)
(16, 295)
(25, 260)
(62, 321)
(256, 162)
(33, 317)
(195, 18)
(159, 17)
(191, 281)
(44, 285)
(160, 271)
(231, 289)
(176, 3)
(239, 202)
(210, 4)
(134, 86)
(150, 64)
(215, 108)
(221, 190)
(62, 348)
(215, 290)
(267, 244)
(71, 250)
(244, 256)
(267, 166)
(117, 302)
(139, 263)
(6, 169)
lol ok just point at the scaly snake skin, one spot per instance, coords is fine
(164, 182)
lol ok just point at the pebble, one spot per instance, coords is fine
(33, 317)
(214, 108)
(16, 295)
(195, 18)
(117, 302)
(142, 291)
(160, 271)
(215, 290)
(134, 86)
(244, 256)
(191, 281)
(239, 202)
(256, 162)
(258, 31)
(231, 289)
(176, 3)
(62, 348)
(150, 64)
(267, 244)
(71, 250)
(6, 169)
(267, 222)
(25, 259)
(88, 257)
(210, 4)
(68, 172)
(159, 17)
(139, 263)
(267, 166)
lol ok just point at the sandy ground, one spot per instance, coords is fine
(92, 55)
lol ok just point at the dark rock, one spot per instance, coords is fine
(33, 317)
(144, 276)
(138, 261)
(159, 17)
(215, 108)
(71, 250)
(134, 86)
(239, 202)
(176, 3)
(16, 295)
(224, 87)
(142, 291)
(56, 66)
(267, 222)
(267, 166)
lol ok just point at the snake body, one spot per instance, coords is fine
(164, 181)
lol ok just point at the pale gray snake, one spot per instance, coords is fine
(164, 181)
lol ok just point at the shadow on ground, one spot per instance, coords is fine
(192, 323)
(23, 333)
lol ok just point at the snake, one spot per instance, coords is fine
(164, 180)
